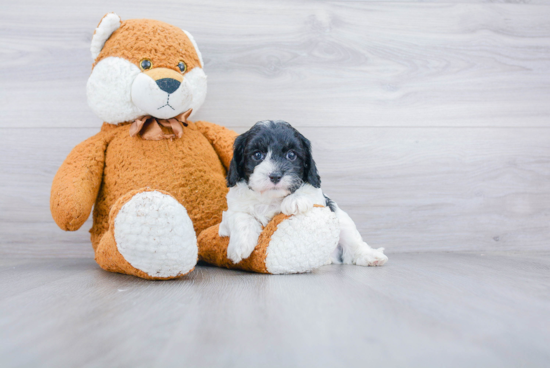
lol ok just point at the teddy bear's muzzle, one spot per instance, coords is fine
(162, 93)
(166, 79)
(168, 85)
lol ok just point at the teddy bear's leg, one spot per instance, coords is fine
(150, 236)
(288, 244)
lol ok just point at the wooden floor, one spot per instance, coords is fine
(430, 124)
(420, 310)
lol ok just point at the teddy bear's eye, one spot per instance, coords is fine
(182, 66)
(145, 64)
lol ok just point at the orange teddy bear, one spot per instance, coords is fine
(156, 179)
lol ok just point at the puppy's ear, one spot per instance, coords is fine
(311, 176)
(236, 169)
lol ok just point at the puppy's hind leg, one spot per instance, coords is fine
(354, 249)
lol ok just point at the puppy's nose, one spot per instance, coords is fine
(168, 85)
(275, 177)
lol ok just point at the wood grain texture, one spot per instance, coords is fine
(430, 125)
(408, 189)
(313, 63)
(429, 120)
(420, 310)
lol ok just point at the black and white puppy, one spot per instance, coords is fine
(272, 171)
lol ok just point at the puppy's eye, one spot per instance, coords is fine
(258, 156)
(182, 66)
(291, 155)
(145, 64)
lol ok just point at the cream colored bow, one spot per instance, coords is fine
(149, 129)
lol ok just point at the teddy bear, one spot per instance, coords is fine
(156, 180)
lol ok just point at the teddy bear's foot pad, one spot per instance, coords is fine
(154, 233)
(303, 242)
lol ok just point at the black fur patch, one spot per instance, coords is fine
(330, 203)
(277, 137)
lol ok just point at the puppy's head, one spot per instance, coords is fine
(144, 67)
(273, 156)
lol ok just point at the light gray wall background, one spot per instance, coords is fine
(429, 120)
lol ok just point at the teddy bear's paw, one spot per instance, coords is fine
(303, 242)
(154, 233)
(370, 257)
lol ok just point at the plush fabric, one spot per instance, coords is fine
(109, 90)
(158, 182)
(188, 168)
(163, 43)
(213, 248)
(108, 24)
(76, 184)
(192, 92)
(288, 244)
(143, 251)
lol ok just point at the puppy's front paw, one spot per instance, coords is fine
(296, 204)
(371, 257)
(243, 242)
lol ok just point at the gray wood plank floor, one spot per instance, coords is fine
(430, 125)
(420, 310)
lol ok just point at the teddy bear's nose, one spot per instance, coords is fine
(168, 85)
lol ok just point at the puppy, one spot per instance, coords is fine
(272, 171)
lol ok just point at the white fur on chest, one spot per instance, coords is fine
(262, 206)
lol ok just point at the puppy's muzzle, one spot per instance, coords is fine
(275, 177)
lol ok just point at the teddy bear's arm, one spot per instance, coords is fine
(76, 184)
(220, 138)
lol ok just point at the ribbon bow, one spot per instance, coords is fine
(149, 127)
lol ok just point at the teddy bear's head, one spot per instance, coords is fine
(144, 67)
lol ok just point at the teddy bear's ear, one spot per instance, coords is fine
(104, 30)
(194, 45)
